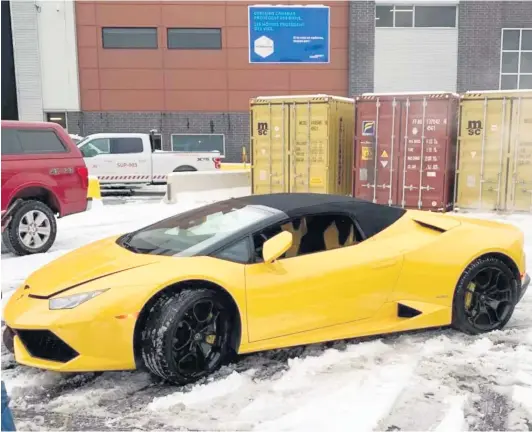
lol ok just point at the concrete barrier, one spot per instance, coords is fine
(206, 185)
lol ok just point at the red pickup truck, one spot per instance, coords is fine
(43, 176)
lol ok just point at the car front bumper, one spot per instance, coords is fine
(67, 341)
(525, 282)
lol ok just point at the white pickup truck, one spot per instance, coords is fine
(130, 158)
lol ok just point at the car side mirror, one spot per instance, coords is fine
(276, 246)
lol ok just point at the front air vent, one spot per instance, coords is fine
(46, 345)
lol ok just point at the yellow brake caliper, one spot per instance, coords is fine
(469, 295)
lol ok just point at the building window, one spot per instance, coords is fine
(198, 143)
(194, 38)
(57, 117)
(415, 16)
(516, 59)
(129, 37)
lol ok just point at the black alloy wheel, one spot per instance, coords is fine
(485, 297)
(489, 299)
(186, 335)
(198, 339)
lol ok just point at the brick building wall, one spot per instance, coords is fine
(479, 39)
(193, 91)
(235, 126)
(361, 46)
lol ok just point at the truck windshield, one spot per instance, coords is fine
(190, 233)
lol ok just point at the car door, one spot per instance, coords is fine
(97, 158)
(313, 290)
(130, 161)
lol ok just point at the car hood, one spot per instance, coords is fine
(89, 263)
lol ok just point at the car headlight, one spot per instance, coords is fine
(72, 301)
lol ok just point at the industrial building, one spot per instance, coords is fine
(184, 68)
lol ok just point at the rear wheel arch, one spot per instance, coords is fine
(38, 193)
(174, 288)
(185, 168)
(499, 256)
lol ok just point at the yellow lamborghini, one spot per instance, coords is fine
(179, 297)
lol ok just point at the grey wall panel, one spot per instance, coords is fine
(415, 59)
(27, 60)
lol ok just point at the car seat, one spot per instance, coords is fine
(297, 235)
(331, 237)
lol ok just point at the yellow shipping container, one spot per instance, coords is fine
(302, 144)
(494, 164)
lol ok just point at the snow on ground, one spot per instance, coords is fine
(437, 380)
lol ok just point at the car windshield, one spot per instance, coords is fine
(190, 233)
(81, 141)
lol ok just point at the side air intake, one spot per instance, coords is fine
(404, 311)
(430, 226)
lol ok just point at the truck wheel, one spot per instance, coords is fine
(32, 230)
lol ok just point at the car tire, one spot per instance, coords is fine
(169, 342)
(45, 231)
(7, 247)
(485, 297)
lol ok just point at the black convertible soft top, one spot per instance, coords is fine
(372, 218)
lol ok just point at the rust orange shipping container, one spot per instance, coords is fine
(405, 149)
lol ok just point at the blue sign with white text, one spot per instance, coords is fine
(284, 34)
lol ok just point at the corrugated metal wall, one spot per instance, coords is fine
(58, 52)
(415, 59)
(27, 60)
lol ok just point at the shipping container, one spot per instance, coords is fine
(302, 144)
(494, 164)
(405, 149)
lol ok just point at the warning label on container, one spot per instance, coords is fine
(367, 153)
(384, 154)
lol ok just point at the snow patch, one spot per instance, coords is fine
(200, 394)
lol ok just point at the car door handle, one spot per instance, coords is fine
(385, 263)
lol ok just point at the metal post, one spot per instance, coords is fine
(293, 150)
(516, 152)
(403, 200)
(283, 143)
(501, 144)
(483, 144)
(392, 145)
(270, 121)
(419, 202)
(375, 155)
(308, 146)
(457, 156)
